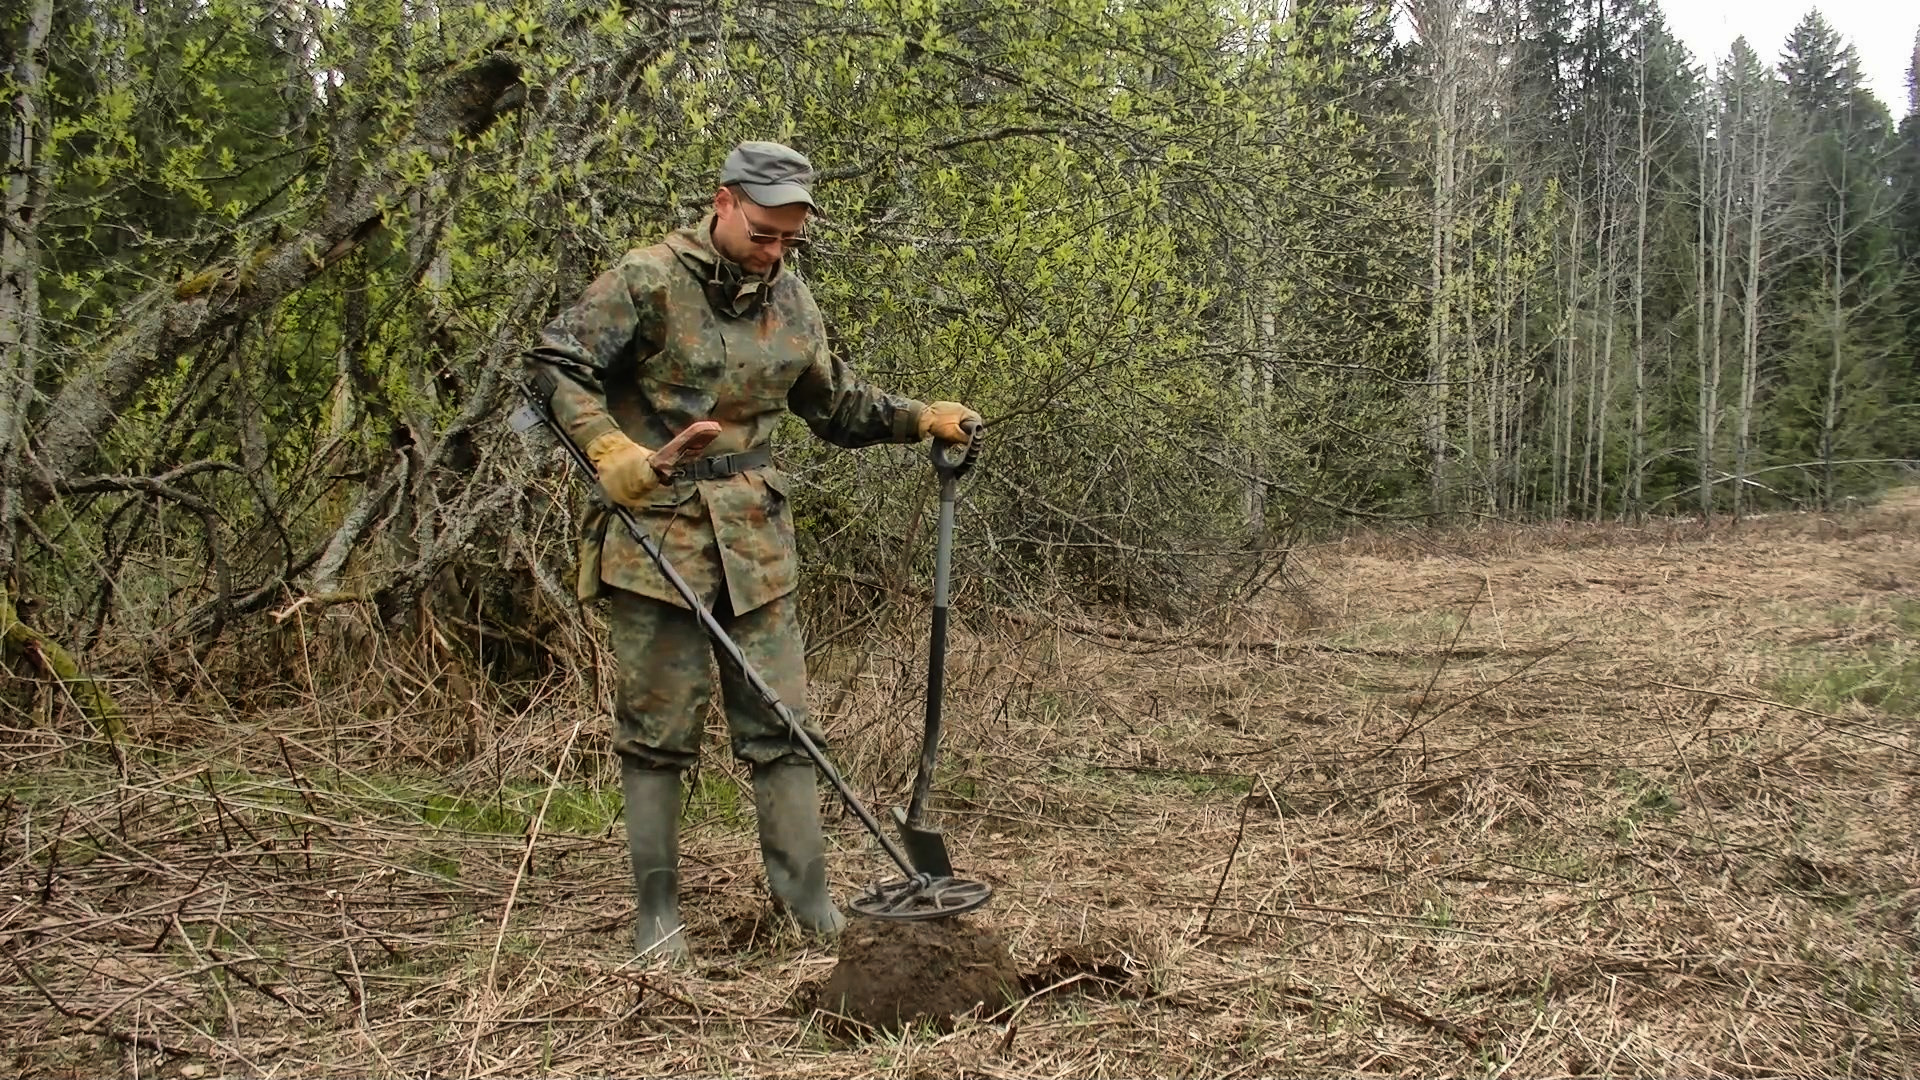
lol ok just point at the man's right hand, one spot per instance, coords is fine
(949, 421)
(626, 468)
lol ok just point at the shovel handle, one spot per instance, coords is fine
(945, 462)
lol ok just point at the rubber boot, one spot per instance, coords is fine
(792, 846)
(653, 842)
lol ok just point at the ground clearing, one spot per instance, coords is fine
(1532, 802)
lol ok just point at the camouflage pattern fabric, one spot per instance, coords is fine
(644, 350)
(664, 688)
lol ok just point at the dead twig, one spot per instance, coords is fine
(1240, 830)
(1422, 1017)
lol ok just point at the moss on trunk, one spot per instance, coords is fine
(89, 692)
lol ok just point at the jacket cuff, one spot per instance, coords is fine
(587, 430)
(906, 422)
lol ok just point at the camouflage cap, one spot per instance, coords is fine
(770, 174)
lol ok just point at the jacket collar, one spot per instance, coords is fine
(730, 289)
(693, 245)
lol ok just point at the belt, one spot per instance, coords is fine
(719, 465)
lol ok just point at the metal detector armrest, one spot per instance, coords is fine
(685, 446)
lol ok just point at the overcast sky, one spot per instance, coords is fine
(1881, 31)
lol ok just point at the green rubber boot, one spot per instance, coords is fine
(792, 846)
(653, 842)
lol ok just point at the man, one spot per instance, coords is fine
(709, 324)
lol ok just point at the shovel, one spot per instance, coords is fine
(924, 843)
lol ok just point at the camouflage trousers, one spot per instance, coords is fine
(665, 684)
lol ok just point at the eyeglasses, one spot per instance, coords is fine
(793, 241)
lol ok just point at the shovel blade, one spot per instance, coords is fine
(926, 848)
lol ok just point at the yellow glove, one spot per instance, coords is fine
(625, 467)
(944, 419)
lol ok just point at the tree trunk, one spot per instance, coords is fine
(25, 187)
(1600, 390)
(1563, 488)
(1750, 352)
(1253, 501)
(1473, 366)
(1637, 455)
(1710, 389)
(1437, 363)
(1702, 446)
(1830, 408)
(1263, 386)
(1498, 366)
(172, 319)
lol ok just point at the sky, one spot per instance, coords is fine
(1881, 32)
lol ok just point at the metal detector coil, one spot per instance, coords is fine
(921, 896)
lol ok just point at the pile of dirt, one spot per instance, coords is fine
(894, 974)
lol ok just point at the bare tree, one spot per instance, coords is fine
(1766, 220)
(1643, 195)
(1860, 281)
(1720, 142)
(1438, 24)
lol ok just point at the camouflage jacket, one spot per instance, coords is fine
(643, 350)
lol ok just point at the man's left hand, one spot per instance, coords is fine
(950, 421)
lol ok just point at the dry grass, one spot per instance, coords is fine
(1528, 802)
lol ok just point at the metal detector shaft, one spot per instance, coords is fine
(719, 635)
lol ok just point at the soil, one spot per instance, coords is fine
(894, 974)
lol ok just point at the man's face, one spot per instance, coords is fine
(752, 235)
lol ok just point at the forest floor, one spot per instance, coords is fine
(1553, 801)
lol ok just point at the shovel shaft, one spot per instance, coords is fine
(727, 646)
(936, 653)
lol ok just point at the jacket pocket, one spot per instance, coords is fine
(667, 499)
(593, 534)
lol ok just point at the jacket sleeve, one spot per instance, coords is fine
(837, 405)
(842, 409)
(613, 323)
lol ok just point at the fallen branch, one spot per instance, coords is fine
(1469, 699)
(87, 691)
(1728, 477)
(162, 485)
(1427, 693)
(1840, 724)
(319, 601)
